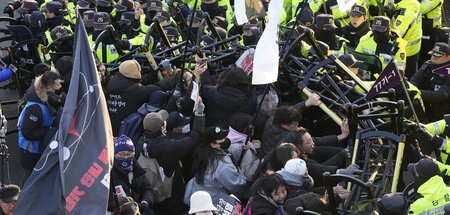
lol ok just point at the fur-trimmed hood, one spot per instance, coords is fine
(37, 92)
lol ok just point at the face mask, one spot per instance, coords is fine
(397, 1)
(125, 163)
(125, 29)
(53, 22)
(250, 40)
(210, 8)
(235, 30)
(104, 9)
(155, 35)
(326, 36)
(149, 18)
(225, 144)
(381, 37)
(186, 129)
(95, 34)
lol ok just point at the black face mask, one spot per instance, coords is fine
(53, 22)
(235, 30)
(326, 36)
(225, 144)
(397, 1)
(250, 40)
(149, 17)
(125, 29)
(210, 8)
(105, 9)
(155, 35)
(381, 37)
(95, 34)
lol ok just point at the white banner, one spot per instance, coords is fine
(239, 11)
(265, 65)
(345, 5)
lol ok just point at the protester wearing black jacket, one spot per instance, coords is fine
(124, 93)
(169, 152)
(233, 93)
(129, 177)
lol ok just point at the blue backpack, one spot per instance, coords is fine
(132, 127)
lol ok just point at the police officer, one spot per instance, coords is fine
(128, 37)
(434, 87)
(358, 27)
(407, 24)
(428, 183)
(431, 20)
(382, 43)
(325, 31)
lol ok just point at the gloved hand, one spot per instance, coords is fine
(200, 108)
(373, 10)
(389, 12)
(9, 10)
(350, 170)
(437, 142)
(124, 44)
(144, 209)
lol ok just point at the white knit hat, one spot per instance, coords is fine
(296, 166)
(201, 201)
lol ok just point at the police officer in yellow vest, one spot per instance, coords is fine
(325, 31)
(431, 20)
(101, 21)
(441, 140)
(129, 38)
(407, 24)
(382, 43)
(428, 183)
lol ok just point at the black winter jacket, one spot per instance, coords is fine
(139, 188)
(124, 96)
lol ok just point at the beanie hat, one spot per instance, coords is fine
(295, 166)
(130, 69)
(201, 201)
(157, 99)
(9, 193)
(154, 120)
(123, 143)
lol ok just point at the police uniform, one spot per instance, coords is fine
(431, 20)
(352, 34)
(393, 49)
(407, 24)
(435, 194)
(324, 29)
(441, 128)
(101, 20)
(435, 88)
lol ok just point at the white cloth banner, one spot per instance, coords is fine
(266, 60)
(239, 11)
(345, 5)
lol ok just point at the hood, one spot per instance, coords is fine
(434, 186)
(37, 92)
(146, 108)
(119, 83)
(267, 198)
(235, 136)
(290, 178)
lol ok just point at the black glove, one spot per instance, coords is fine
(124, 45)
(373, 10)
(437, 142)
(9, 10)
(145, 209)
(389, 12)
(180, 86)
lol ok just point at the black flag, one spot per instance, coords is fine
(72, 176)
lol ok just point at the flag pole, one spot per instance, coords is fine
(407, 95)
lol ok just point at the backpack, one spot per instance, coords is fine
(160, 183)
(132, 127)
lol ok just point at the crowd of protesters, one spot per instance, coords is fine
(178, 151)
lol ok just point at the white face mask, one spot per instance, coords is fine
(207, 213)
(186, 129)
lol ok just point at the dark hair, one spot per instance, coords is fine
(41, 68)
(49, 78)
(281, 154)
(236, 78)
(240, 122)
(296, 137)
(286, 115)
(205, 156)
(268, 183)
(64, 65)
